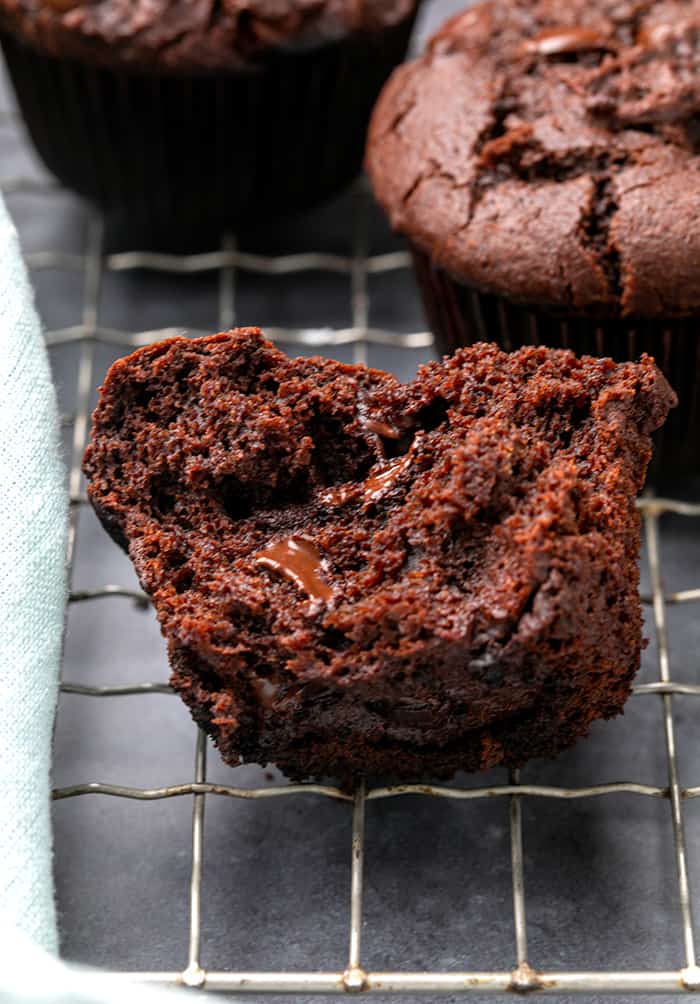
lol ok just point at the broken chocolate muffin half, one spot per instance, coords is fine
(358, 576)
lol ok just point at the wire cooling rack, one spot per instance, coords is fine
(516, 974)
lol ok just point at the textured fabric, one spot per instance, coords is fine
(33, 527)
(33, 520)
(36, 978)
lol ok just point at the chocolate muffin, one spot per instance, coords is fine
(187, 115)
(543, 160)
(359, 576)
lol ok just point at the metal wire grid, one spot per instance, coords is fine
(516, 977)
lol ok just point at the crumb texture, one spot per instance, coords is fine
(357, 576)
(549, 153)
(191, 34)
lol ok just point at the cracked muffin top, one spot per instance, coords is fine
(550, 153)
(191, 34)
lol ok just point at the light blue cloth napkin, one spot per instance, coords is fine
(33, 521)
(33, 533)
(30, 976)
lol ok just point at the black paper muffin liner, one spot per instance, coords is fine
(459, 314)
(173, 152)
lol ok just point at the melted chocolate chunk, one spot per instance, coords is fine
(298, 560)
(379, 483)
(557, 41)
(339, 496)
(381, 428)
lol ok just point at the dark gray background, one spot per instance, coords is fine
(600, 877)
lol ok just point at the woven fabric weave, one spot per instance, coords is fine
(33, 526)
(33, 584)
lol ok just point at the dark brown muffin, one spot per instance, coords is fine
(544, 161)
(195, 35)
(359, 576)
(187, 116)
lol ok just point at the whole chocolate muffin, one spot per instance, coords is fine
(185, 114)
(543, 160)
(360, 576)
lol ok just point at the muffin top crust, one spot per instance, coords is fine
(191, 35)
(550, 153)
